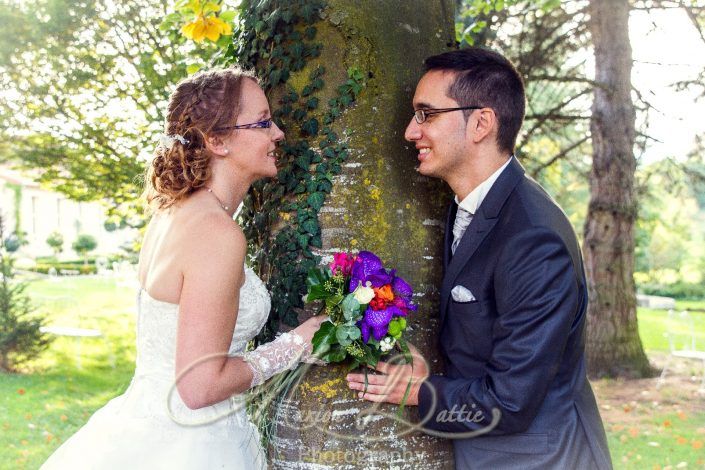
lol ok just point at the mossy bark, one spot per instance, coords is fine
(378, 203)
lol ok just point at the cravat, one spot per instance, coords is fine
(462, 220)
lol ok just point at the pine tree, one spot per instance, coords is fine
(20, 336)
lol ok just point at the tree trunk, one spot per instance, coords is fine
(613, 344)
(378, 203)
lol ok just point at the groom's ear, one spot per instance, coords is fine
(481, 124)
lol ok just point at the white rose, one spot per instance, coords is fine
(364, 294)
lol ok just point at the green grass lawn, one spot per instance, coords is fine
(44, 406)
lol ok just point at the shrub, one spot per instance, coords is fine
(20, 336)
(56, 241)
(679, 290)
(84, 244)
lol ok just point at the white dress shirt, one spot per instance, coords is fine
(468, 206)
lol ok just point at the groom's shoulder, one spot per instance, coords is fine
(538, 207)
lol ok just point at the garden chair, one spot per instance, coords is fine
(682, 341)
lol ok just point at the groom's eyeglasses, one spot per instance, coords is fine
(266, 124)
(422, 114)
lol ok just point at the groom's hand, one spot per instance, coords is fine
(390, 385)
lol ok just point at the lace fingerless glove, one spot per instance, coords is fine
(269, 359)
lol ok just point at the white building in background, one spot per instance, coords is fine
(42, 212)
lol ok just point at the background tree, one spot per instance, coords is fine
(84, 90)
(83, 245)
(20, 337)
(613, 343)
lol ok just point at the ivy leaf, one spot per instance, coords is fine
(303, 240)
(316, 241)
(312, 103)
(303, 162)
(310, 127)
(310, 226)
(316, 200)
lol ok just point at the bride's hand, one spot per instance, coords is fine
(308, 328)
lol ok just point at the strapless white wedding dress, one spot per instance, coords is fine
(150, 428)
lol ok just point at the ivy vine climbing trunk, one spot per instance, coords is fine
(613, 344)
(342, 75)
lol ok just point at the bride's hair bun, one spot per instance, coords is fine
(199, 105)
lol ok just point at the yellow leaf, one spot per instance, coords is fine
(24, 442)
(187, 30)
(28, 416)
(211, 29)
(199, 30)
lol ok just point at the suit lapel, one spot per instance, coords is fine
(448, 238)
(482, 223)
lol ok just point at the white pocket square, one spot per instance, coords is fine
(462, 294)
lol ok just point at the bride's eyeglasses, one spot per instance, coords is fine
(266, 124)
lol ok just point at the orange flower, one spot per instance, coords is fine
(697, 445)
(20, 391)
(384, 293)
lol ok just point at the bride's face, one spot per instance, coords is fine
(254, 149)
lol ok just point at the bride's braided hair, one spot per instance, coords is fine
(199, 106)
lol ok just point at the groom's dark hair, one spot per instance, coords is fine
(488, 79)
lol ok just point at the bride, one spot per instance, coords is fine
(198, 305)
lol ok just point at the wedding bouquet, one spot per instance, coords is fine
(367, 305)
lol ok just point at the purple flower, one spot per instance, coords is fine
(368, 267)
(377, 322)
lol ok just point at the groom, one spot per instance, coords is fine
(514, 295)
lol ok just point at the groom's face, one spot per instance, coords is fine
(441, 139)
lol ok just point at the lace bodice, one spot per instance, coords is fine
(156, 326)
(156, 349)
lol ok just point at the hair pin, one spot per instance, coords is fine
(168, 140)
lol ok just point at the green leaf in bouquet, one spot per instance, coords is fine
(351, 307)
(324, 338)
(333, 301)
(316, 292)
(316, 284)
(396, 327)
(372, 355)
(336, 354)
(317, 276)
(405, 351)
(346, 334)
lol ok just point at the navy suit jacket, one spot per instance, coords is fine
(519, 347)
